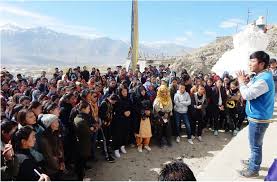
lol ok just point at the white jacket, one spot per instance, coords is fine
(181, 101)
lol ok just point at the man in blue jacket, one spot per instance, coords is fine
(259, 96)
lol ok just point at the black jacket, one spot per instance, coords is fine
(52, 150)
(215, 96)
(138, 106)
(64, 114)
(83, 133)
(85, 75)
(27, 164)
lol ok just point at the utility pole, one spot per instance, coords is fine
(266, 16)
(134, 35)
(248, 14)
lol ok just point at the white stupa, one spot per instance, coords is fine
(246, 42)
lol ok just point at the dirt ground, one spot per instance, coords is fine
(146, 165)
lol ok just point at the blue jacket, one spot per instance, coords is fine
(259, 94)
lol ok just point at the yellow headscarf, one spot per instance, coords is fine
(164, 100)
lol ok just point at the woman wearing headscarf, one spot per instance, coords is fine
(163, 110)
(121, 123)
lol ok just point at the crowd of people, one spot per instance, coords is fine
(52, 125)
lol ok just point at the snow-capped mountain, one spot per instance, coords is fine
(40, 45)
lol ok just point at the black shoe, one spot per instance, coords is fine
(161, 145)
(87, 167)
(93, 159)
(248, 174)
(110, 159)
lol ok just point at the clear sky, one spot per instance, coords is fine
(190, 23)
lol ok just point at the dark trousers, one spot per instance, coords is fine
(131, 133)
(105, 146)
(120, 133)
(173, 124)
(197, 119)
(209, 117)
(164, 130)
(93, 144)
(219, 118)
(242, 115)
(232, 118)
(107, 131)
(69, 140)
(80, 164)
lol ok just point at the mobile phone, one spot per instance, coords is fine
(36, 171)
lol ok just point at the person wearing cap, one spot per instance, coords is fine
(51, 146)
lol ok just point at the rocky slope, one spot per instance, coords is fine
(204, 58)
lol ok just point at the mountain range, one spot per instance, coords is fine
(43, 46)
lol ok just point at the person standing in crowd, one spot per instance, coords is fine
(51, 147)
(182, 100)
(9, 163)
(143, 131)
(208, 91)
(273, 69)
(66, 105)
(85, 74)
(121, 122)
(138, 97)
(199, 104)
(163, 110)
(259, 96)
(83, 138)
(26, 117)
(92, 98)
(23, 140)
(232, 106)
(106, 114)
(219, 98)
(36, 107)
(173, 90)
(111, 89)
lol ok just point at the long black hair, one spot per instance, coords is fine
(22, 133)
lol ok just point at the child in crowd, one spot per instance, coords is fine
(182, 100)
(143, 132)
